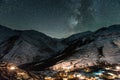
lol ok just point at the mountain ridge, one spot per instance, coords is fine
(30, 42)
(37, 50)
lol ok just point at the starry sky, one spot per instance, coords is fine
(59, 18)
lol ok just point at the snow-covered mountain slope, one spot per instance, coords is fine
(27, 46)
(37, 51)
(104, 46)
(85, 49)
(75, 37)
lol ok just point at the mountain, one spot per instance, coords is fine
(101, 46)
(5, 33)
(26, 46)
(85, 49)
(75, 37)
(38, 56)
(33, 50)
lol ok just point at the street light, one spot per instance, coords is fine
(11, 67)
(118, 68)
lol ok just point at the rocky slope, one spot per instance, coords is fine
(35, 51)
(27, 46)
(100, 46)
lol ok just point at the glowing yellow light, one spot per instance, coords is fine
(107, 68)
(111, 74)
(12, 67)
(82, 77)
(22, 73)
(48, 78)
(118, 67)
(79, 75)
(119, 76)
(87, 69)
(65, 79)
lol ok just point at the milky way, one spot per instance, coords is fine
(59, 18)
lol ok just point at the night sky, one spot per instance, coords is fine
(59, 18)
